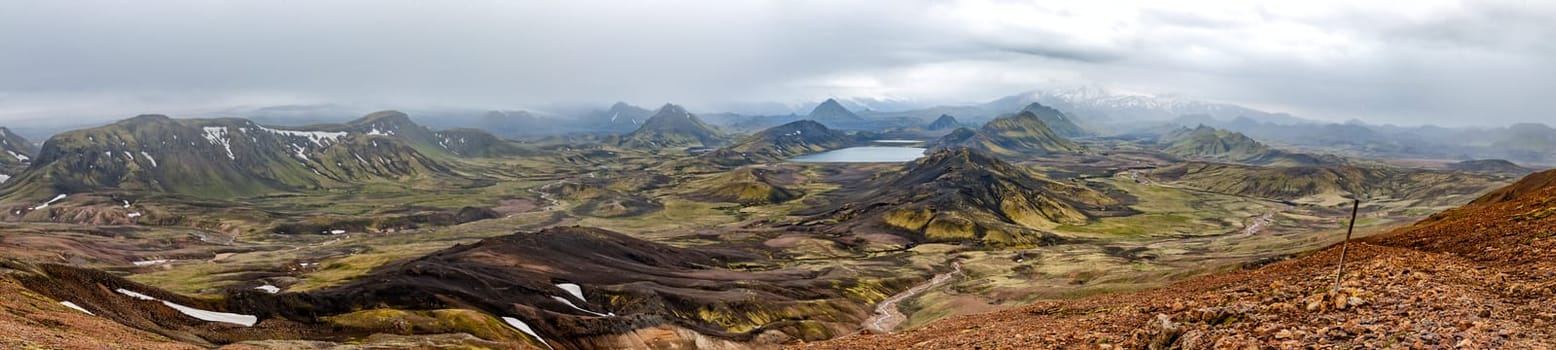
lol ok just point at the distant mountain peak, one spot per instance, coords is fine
(1038, 108)
(147, 118)
(672, 109)
(831, 110)
(944, 122)
(673, 126)
(1055, 119)
(386, 116)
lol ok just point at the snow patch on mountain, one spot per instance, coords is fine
(524, 327)
(319, 138)
(217, 135)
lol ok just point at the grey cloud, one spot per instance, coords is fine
(1475, 62)
(1088, 55)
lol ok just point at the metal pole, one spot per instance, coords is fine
(1345, 245)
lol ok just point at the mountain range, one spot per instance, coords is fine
(231, 157)
(1529, 143)
(1099, 111)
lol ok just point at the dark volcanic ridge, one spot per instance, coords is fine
(575, 287)
(964, 195)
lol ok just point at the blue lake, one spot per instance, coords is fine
(867, 154)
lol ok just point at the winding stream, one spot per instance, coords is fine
(887, 317)
(556, 204)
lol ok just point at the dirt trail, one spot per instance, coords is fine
(887, 317)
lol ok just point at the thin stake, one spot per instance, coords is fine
(1346, 245)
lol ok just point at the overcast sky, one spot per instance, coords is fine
(1407, 62)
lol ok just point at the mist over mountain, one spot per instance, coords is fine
(1528, 142)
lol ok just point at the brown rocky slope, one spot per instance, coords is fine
(32, 321)
(1479, 276)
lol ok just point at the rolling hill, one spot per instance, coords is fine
(1490, 166)
(747, 186)
(1207, 143)
(1327, 184)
